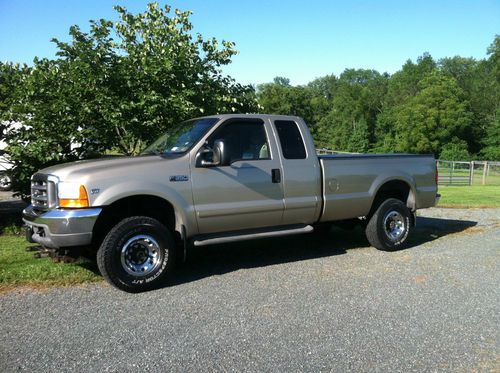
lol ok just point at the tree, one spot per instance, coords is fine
(280, 97)
(427, 121)
(491, 150)
(350, 123)
(119, 86)
(491, 140)
(10, 76)
(456, 150)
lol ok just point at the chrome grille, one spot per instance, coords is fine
(43, 192)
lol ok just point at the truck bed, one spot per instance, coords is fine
(350, 182)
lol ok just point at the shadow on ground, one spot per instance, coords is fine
(11, 214)
(220, 259)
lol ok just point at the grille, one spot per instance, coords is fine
(43, 192)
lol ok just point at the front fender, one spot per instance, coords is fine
(181, 199)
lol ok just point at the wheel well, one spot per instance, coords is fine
(395, 189)
(140, 205)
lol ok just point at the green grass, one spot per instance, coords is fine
(19, 267)
(470, 196)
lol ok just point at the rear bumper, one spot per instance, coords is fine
(60, 228)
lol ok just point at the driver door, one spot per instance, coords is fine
(242, 194)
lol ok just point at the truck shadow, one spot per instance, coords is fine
(220, 259)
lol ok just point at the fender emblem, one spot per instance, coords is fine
(179, 178)
(94, 191)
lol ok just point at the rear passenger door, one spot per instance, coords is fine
(301, 172)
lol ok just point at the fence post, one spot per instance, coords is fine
(471, 172)
(484, 172)
(452, 167)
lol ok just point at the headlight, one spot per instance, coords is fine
(72, 195)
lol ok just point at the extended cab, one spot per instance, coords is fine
(219, 179)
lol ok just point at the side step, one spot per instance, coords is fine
(213, 239)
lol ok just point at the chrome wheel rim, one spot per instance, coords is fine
(394, 225)
(5, 181)
(141, 255)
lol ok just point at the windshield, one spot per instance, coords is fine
(180, 138)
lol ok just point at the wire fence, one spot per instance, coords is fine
(468, 173)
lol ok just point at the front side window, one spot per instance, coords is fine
(245, 140)
(291, 140)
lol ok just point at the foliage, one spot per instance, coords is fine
(455, 151)
(492, 140)
(280, 97)
(429, 106)
(118, 87)
(426, 121)
(349, 125)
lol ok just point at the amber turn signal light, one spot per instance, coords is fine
(82, 201)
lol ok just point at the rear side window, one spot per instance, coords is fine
(291, 140)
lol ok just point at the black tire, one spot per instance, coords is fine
(132, 246)
(389, 227)
(5, 182)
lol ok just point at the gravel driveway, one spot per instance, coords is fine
(295, 304)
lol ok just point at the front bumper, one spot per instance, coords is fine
(60, 228)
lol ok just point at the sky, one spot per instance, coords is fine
(300, 40)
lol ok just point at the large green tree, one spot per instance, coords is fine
(428, 120)
(118, 86)
(279, 97)
(349, 125)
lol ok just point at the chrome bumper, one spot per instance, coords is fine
(60, 228)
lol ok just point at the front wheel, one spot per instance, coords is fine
(389, 226)
(136, 254)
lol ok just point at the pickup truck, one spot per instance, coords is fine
(220, 179)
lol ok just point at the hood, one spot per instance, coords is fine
(78, 170)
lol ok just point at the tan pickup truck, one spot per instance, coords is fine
(220, 179)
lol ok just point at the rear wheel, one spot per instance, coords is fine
(136, 254)
(389, 226)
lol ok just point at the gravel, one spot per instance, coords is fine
(292, 304)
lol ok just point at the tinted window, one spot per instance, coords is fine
(291, 141)
(245, 140)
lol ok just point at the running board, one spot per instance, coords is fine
(246, 235)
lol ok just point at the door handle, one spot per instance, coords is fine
(276, 175)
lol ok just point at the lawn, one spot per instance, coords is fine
(470, 196)
(19, 267)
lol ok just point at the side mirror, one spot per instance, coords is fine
(220, 152)
(208, 157)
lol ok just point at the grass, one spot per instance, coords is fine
(20, 268)
(469, 196)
